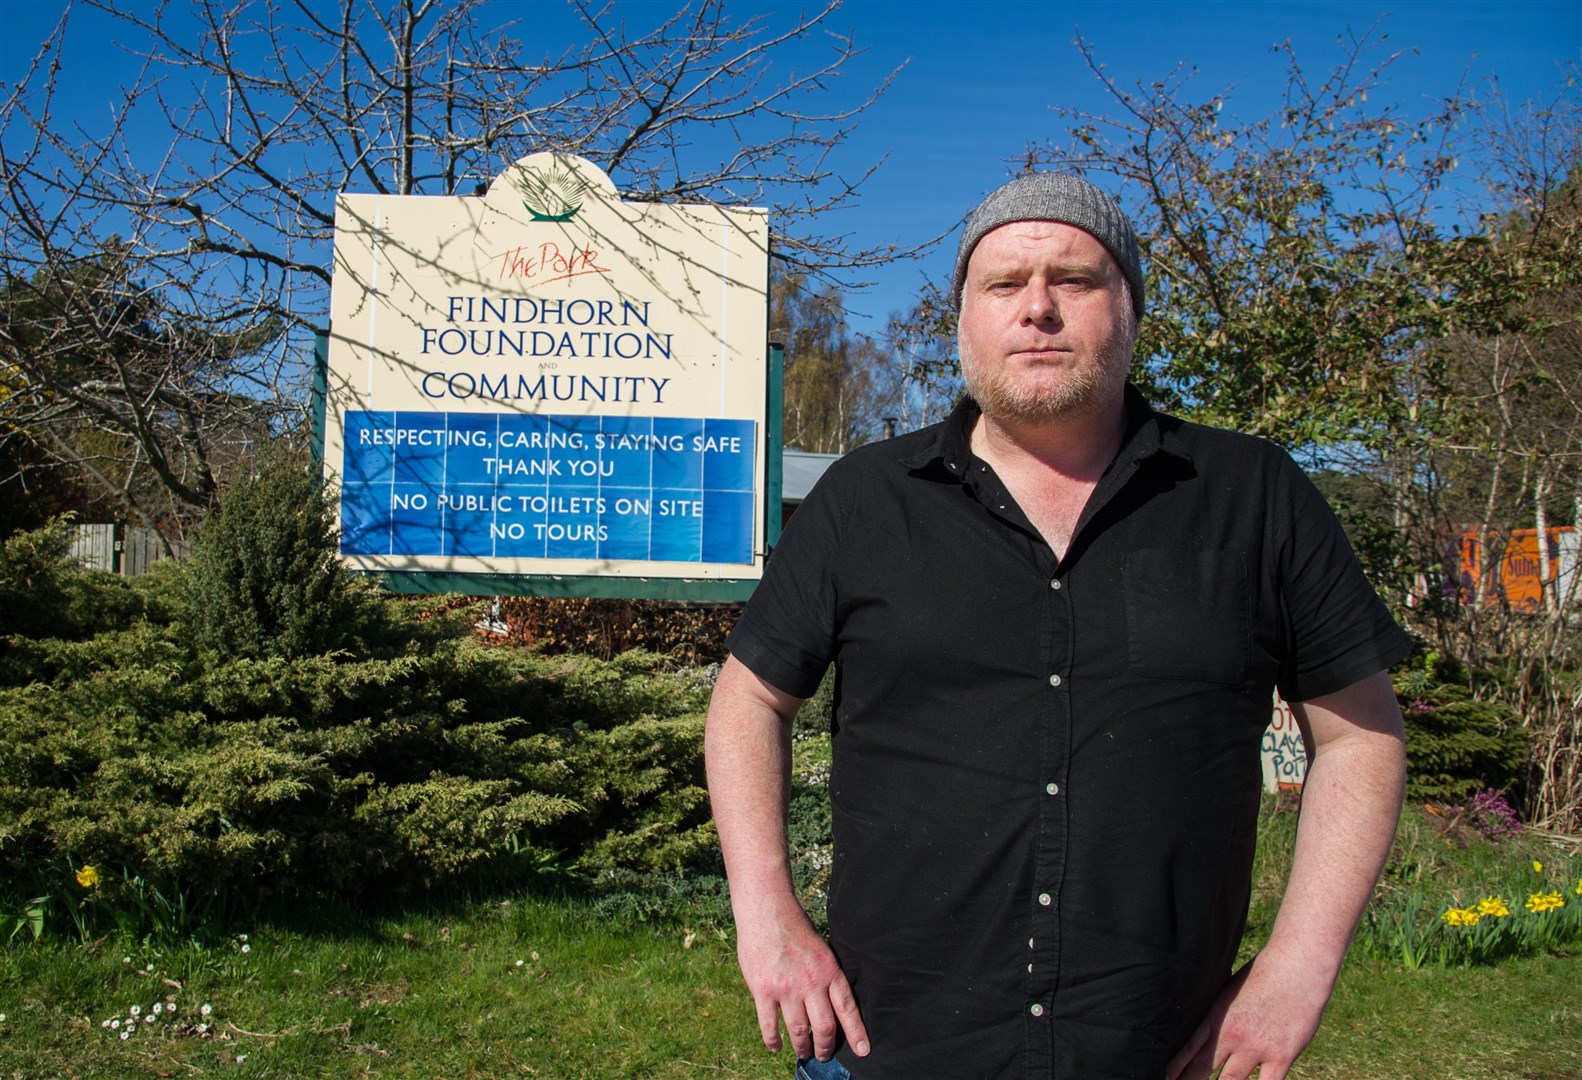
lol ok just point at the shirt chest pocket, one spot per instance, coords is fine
(1188, 614)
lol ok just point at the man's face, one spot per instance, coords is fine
(1046, 327)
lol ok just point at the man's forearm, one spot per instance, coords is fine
(1351, 802)
(747, 754)
(788, 967)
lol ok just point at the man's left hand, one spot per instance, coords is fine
(1263, 1019)
(1268, 1012)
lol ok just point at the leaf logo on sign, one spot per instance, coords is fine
(553, 196)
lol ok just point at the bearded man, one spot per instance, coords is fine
(1057, 621)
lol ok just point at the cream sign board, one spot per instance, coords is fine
(547, 379)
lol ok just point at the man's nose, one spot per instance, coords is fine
(1040, 308)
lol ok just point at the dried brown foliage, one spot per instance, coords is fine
(690, 633)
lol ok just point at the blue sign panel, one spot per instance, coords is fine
(493, 485)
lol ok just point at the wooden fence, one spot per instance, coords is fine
(121, 549)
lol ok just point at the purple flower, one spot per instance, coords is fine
(1492, 816)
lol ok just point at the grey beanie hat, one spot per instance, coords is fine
(1046, 196)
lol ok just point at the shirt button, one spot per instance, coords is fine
(1053, 789)
(1036, 1010)
(1055, 584)
(1043, 898)
(1054, 680)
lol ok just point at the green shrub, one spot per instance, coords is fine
(200, 787)
(32, 568)
(211, 756)
(45, 593)
(264, 577)
(255, 729)
(1456, 744)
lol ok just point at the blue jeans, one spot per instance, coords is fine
(814, 1069)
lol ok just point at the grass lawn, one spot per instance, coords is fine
(1519, 1020)
(541, 988)
(531, 988)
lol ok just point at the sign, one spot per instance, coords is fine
(549, 380)
(1283, 751)
(1528, 580)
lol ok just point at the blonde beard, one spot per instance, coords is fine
(1078, 393)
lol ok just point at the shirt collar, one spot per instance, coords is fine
(1147, 433)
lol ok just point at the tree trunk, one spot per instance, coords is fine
(1547, 601)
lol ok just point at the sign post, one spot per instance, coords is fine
(549, 390)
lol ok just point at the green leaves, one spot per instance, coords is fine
(1456, 744)
(264, 578)
(1300, 267)
(425, 760)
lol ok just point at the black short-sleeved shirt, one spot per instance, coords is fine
(1046, 772)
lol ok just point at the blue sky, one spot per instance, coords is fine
(979, 80)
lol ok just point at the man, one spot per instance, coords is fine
(1057, 620)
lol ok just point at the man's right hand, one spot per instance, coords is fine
(791, 972)
(788, 967)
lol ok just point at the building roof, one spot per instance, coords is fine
(800, 470)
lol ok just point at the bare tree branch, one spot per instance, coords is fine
(162, 275)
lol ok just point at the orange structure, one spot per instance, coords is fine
(1519, 576)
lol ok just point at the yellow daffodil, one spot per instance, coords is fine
(1538, 867)
(1539, 902)
(1493, 907)
(1461, 917)
(88, 877)
(1578, 889)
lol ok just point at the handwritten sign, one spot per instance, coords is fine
(548, 379)
(1284, 752)
(548, 263)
